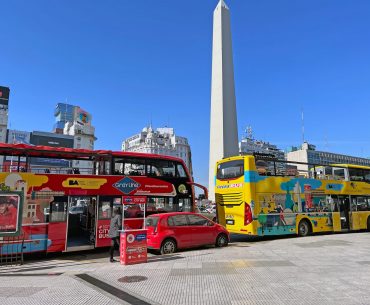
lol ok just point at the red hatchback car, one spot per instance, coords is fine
(168, 232)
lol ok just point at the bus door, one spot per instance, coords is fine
(104, 215)
(81, 223)
(344, 208)
(57, 228)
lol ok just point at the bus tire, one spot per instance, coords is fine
(368, 224)
(222, 240)
(304, 228)
(168, 246)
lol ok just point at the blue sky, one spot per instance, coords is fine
(132, 62)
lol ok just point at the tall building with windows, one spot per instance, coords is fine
(4, 102)
(307, 153)
(162, 141)
(63, 113)
(79, 127)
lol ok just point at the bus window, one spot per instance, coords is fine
(58, 212)
(230, 170)
(356, 174)
(362, 204)
(169, 169)
(104, 210)
(181, 171)
(339, 174)
(185, 203)
(367, 175)
(161, 168)
(160, 205)
(134, 167)
(118, 166)
(152, 170)
(328, 172)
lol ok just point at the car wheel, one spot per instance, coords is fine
(168, 246)
(368, 224)
(222, 240)
(303, 228)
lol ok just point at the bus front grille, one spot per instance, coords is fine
(229, 199)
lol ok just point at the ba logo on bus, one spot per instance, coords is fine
(126, 185)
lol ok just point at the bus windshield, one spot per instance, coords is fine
(230, 170)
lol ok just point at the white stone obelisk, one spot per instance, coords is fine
(223, 129)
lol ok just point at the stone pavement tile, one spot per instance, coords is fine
(256, 302)
(345, 301)
(313, 302)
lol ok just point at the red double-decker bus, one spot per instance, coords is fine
(69, 194)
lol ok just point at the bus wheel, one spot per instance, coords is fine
(168, 246)
(222, 240)
(303, 228)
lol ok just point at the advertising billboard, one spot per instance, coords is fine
(18, 137)
(82, 117)
(10, 217)
(53, 140)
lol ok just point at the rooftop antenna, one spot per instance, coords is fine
(303, 140)
(249, 132)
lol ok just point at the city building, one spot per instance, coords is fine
(73, 121)
(72, 129)
(162, 141)
(4, 103)
(249, 146)
(63, 113)
(307, 153)
(38, 138)
(223, 122)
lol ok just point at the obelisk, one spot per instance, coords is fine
(223, 129)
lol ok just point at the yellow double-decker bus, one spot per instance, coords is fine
(260, 195)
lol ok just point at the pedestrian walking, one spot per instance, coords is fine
(115, 226)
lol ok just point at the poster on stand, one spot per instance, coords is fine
(133, 247)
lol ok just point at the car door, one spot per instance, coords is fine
(201, 230)
(181, 232)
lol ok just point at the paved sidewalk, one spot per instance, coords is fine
(324, 269)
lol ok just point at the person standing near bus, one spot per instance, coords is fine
(113, 233)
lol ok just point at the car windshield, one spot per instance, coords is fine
(151, 221)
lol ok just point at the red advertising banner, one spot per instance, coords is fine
(9, 210)
(133, 247)
(134, 199)
(102, 229)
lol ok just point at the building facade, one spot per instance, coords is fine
(162, 141)
(307, 153)
(72, 129)
(73, 121)
(250, 146)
